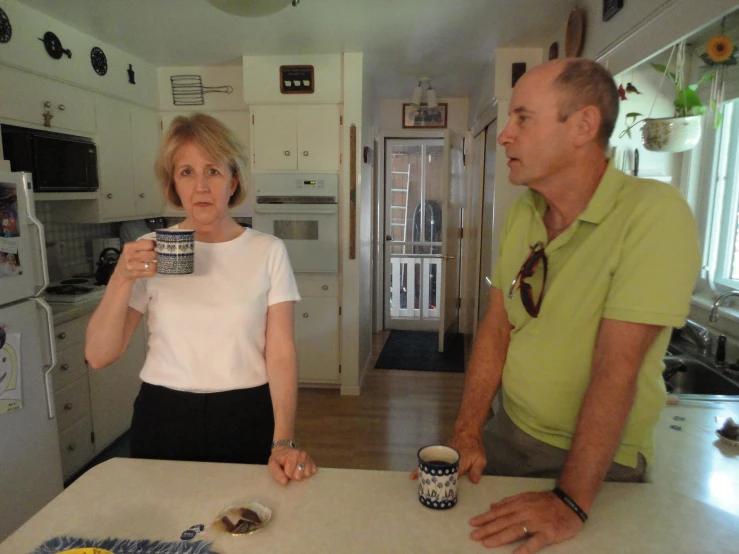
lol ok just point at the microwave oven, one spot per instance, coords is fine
(58, 162)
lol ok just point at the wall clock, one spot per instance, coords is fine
(6, 29)
(99, 61)
(54, 46)
(575, 33)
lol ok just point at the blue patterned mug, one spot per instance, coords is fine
(175, 251)
(438, 469)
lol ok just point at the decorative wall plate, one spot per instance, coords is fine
(6, 29)
(575, 33)
(99, 61)
(54, 46)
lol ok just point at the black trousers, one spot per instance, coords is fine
(230, 427)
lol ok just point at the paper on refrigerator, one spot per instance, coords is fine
(10, 374)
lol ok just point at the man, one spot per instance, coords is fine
(595, 268)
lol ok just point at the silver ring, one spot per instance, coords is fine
(300, 467)
(146, 266)
(525, 531)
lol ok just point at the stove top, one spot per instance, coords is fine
(73, 290)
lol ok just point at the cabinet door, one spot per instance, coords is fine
(22, 98)
(145, 140)
(113, 390)
(274, 138)
(316, 339)
(115, 159)
(318, 138)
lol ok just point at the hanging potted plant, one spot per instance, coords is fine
(682, 131)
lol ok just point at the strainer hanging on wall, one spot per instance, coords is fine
(188, 90)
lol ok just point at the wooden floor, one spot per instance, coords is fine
(383, 428)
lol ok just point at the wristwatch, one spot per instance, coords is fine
(289, 443)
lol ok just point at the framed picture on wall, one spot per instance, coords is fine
(425, 117)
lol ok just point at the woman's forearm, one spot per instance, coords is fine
(283, 389)
(106, 337)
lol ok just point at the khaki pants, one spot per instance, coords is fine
(513, 453)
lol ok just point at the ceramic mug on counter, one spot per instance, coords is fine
(175, 251)
(438, 469)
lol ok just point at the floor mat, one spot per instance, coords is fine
(419, 351)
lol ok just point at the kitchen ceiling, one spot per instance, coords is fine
(450, 41)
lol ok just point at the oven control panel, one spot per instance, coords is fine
(292, 184)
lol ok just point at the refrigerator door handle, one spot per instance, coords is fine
(49, 385)
(30, 208)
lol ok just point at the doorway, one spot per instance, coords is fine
(414, 198)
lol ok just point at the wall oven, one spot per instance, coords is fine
(303, 211)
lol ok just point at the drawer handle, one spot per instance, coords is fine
(61, 336)
(109, 195)
(305, 152)
(61, 107)
(141, 195)
(325, 287)
(287, 152)
(68, 406)
(64, 367)
(72, 447)
(305, 315)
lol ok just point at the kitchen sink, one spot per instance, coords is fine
(688, 375)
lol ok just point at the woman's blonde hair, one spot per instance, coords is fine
(215, 140)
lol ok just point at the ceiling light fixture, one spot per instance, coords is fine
(432, 100)
(252, 8)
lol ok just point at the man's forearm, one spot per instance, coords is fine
(484, 372)
(603, 414)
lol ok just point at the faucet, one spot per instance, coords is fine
(713, 316)
(699, 334)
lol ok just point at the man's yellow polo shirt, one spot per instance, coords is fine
(632, 255)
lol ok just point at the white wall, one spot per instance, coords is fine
(390, 114)
(25, 51)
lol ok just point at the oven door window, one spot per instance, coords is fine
(291, 229)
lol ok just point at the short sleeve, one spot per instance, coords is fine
(283, 287)
(660, 260)
(139, 299)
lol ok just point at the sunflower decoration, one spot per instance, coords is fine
(720, 50)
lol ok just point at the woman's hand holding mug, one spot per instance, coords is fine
(138, 260)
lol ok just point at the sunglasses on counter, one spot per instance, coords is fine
(527, 270)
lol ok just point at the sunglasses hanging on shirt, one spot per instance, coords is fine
(527, 270)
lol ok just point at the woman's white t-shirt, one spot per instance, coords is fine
(207, 329)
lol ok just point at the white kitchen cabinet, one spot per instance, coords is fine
(295, 138)
(94, 407)
(145, 139)
(23, 95)
(115, 159)
(113, 390)
(238, 122)
(317, 330)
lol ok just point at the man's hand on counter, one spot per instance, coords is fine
(290, 464)
(539, 518)
(472, 459)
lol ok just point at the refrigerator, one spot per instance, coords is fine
(30, 462)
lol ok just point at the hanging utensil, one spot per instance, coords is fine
(188, 90)
(636, 162)
(54, 46)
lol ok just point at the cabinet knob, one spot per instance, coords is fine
(305, 152)
(305, 315)
(61, 336)
(109, 195)
(141, 195)
(287, 152)
(72, 447)
(68, 406)
(64, 367)
(325, 287)
(61, 107)
(47, 104)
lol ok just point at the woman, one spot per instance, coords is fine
(220, 377)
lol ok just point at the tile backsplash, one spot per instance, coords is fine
(77, 253)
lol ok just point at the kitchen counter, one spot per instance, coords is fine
(692, 461)
(67, 312)
(351, 511)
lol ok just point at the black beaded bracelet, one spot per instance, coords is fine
(571, 504)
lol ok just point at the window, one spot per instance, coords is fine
(723, 216)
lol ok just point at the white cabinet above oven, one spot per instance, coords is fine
(295, 138)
